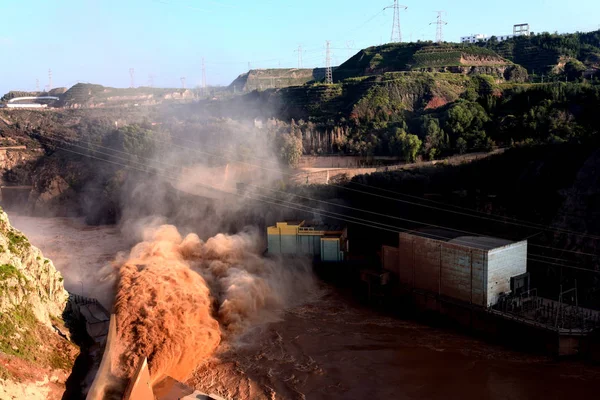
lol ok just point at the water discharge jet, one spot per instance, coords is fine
(178, 297)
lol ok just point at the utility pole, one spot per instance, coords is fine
(49, 80)
(182, 82)
(328, 73)
(203, 77)
(439, 35)
(396, 32)
(299, 51)
(37, 85)
(131, 78)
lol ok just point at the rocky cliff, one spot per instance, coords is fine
(35, 355)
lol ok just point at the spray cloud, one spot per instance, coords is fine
(178, 297)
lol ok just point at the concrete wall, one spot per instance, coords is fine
(342, 161)
(503, 263)
(443, 268)
(310, 245)
(389, 259)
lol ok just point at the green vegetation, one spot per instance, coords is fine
(404, 145)
(18, 333)
(133, 140)
(542, 53)
(12, 94)
(417, 56)
(261, 79)
(17, 242)
(21, 335)
(84, 93)
(8, 271)
(290, 148)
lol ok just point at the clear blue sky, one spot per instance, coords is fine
(99, 40)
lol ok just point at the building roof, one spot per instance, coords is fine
(481, 242)
(474, 242)
(314, 225)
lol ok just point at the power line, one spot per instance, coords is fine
(486, 217)
(303, 208)
(396, 36)
(274, 190)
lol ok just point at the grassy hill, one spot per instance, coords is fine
(86, 94)
(259, 79)
(542, 53)
(424, 56)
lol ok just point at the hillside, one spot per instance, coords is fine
(90, 95)
(34, 359)
(548, 53)
(468, 60)
(258, 79)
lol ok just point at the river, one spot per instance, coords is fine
(329, 347)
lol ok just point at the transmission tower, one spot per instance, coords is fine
(396, 32)
(439, 35)
(182, 82)
(350, 47)
(49, 80)
(37, 85)
(131, 78)
(203, 76)
(151, 80)
(328, 73)
(299, 51)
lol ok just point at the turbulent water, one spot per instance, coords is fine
(328, 347)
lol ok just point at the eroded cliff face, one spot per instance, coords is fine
(27, 278)
(35, 356)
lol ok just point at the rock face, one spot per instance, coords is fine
(35, 356)
(27, 279)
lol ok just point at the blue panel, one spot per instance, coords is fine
(288, 244)
(274, 244)
(330, 250)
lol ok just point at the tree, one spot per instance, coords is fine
(436, 140)
(405, 145)
(461, 145)
(132, 139)
(574, 70)
(290, 149)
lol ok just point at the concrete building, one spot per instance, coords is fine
(474, 38)
(482, 283)
(474, 270)
(322, 242)
(518, 30)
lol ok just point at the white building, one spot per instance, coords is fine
(473, 38)
(518, 30)
(472, 269)
(479, 37)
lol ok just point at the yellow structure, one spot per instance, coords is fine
(322, 242)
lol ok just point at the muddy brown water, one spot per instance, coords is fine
(330, 347)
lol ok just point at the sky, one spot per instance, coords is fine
(98, 41)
